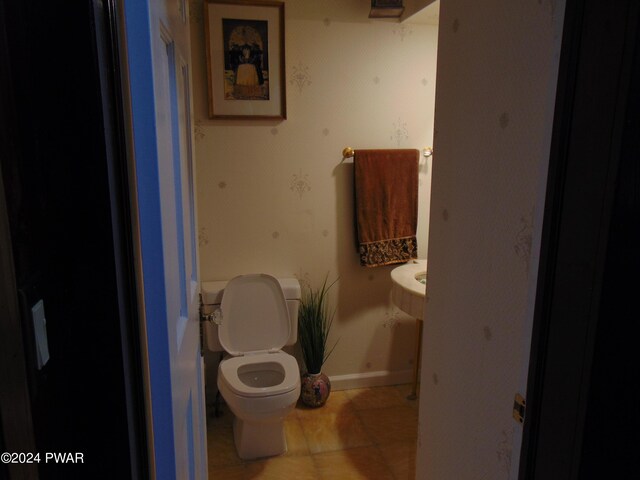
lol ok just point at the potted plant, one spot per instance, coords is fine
(314, 324)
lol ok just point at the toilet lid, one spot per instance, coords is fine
(255, 317)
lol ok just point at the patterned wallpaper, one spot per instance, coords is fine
(276, 197)
(497, 71)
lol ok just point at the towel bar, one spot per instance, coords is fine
(349, 152)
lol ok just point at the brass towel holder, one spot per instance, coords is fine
(349, 152)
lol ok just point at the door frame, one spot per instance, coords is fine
(598, 44)
(108, 21)
(140, 91)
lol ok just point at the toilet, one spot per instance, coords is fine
(255, 316)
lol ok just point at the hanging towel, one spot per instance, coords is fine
(386, 205)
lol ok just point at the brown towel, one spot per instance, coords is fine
(386, 209)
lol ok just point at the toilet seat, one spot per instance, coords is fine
(230, 368)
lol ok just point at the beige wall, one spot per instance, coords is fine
(273, 196)
(497, 70)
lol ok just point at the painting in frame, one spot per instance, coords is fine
(245, 58)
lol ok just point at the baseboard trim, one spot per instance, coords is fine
(381, 378)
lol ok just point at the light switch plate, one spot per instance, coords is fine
(40, 331)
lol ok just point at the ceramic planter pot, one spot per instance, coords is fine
(315, 389)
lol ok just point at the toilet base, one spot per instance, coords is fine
(259, 439)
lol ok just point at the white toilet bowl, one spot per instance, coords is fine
(259, 382)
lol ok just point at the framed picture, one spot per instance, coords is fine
(245, 58)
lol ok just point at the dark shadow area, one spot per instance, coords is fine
(63, 193)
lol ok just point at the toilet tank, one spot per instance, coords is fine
(212, 293)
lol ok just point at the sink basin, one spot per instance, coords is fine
(409, 287)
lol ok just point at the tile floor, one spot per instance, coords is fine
(365, 433)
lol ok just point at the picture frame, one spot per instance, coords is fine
(245, 58)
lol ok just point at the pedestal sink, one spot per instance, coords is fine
(409, 286)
